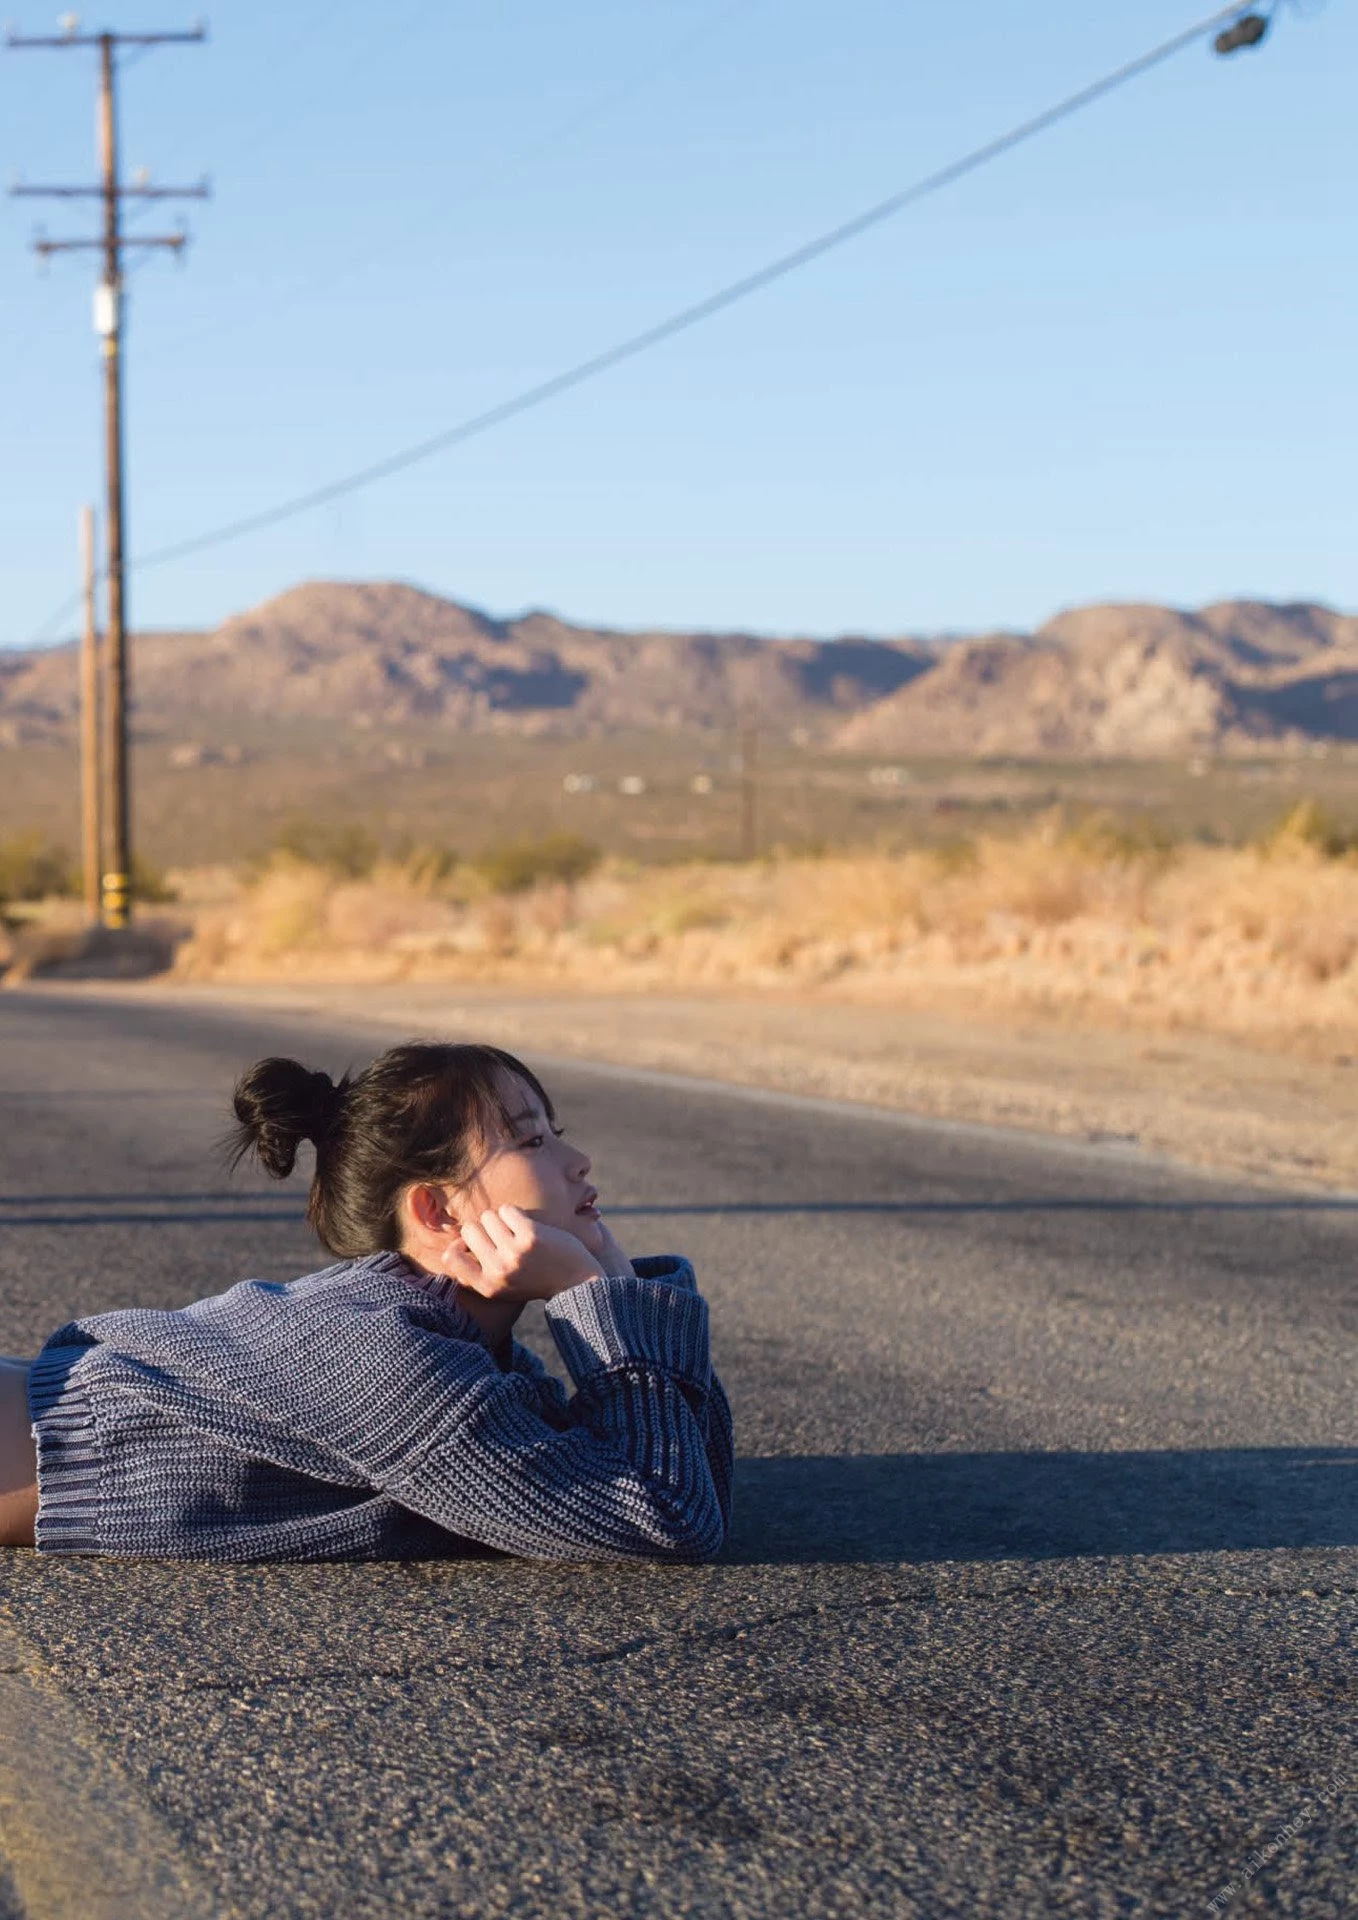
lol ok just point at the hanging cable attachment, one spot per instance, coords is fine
(1247, 31)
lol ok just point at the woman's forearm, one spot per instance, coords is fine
(638, 1466)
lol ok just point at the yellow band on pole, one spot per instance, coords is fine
(116, 888)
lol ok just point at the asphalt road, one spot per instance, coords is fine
(1042, 1592)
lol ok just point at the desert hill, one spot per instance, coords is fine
(386, 653)
(1130, 680)
(1094, 681)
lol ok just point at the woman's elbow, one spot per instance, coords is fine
(688, 1531)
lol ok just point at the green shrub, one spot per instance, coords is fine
(1103, 837)
(957, 854)
(150, 888)
(515, 866)
(427, 867)
(1308, 824)
(30, 869)
(344, 847)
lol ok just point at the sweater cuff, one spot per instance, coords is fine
(672, 1268)
(602, 1325)
(68, 1449)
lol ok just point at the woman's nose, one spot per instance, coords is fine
(582, 1165)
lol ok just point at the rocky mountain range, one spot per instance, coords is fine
(385, 654)
(1097, 681)
(1130, 681)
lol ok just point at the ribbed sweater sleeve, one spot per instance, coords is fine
(641, 1466)
(278, 1421)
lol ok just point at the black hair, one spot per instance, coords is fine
(417, 1113)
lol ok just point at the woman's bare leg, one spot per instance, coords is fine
(18, 1459)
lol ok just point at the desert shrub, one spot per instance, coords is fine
(956, 854)
(1102, 838)
(689, 916)
(288, 905)
(31, 869)
(515, 866)
(150, 888)
(426, 868)
(1308, 825)
(343, 847)
(1038, 880)
(1244, 940)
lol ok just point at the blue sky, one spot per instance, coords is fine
(1116, 365)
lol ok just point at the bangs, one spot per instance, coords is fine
(462, 1096)
(483, 1079)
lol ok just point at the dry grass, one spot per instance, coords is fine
(1259, 942)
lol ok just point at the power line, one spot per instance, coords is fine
(686, 317)
(691, 316)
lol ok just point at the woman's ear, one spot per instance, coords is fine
(429, 1209)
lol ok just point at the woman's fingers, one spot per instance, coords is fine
(507, 1254)
(462, 1266)
(614, 1260)
(496, 1248)
(500, 1235)
(519, 1223)
(479, 1243)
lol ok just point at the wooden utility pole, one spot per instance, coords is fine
(749, 798)
(116, 886)
(91, 786)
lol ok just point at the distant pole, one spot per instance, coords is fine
(91, 794)
(749, 817)
(109, 319)
(116, 882)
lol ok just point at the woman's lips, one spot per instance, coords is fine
(589, 1206)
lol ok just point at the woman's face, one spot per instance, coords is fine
(529, 1164)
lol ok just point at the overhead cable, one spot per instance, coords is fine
(686, 317)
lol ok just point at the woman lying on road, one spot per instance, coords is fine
(381, 1408)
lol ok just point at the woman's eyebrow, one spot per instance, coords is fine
(517, 1119)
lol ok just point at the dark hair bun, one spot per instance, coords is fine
(279, 1103)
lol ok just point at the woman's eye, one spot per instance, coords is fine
(534, 1140)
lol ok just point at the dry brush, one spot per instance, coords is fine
(1088, 925)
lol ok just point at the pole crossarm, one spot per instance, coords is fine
(20, 41)
(21, 191)
(174, 241)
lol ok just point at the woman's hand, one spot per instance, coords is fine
(508, 1257)
(611, 1256)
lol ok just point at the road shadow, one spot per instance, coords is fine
(818, 1509)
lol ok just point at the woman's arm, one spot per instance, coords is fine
(552, 1402)
(639, 1461)
(631, 1473)
(360, 1382)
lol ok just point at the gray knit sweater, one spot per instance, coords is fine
(357, 1415)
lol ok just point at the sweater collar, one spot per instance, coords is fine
(441, 1288)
